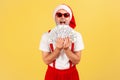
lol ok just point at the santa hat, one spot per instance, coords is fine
(72, 23)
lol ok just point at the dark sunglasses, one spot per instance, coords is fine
(66, 15)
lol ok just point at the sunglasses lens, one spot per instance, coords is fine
(66, 15)
(59, 14)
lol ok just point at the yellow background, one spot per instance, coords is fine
(22, 22)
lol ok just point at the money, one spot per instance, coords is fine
(62, 31)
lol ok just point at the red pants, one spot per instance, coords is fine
(55, 74)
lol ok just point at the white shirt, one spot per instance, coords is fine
(62, 62)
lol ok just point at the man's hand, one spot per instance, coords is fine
(59, 43)
(67, 43)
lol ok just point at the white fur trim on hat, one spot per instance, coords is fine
(63, 7)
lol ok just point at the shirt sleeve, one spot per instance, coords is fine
(79, 45)
(44, 45)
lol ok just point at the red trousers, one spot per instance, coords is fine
(55, 74)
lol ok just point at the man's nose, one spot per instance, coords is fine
(62, 17)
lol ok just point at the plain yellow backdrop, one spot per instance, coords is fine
(22, 23)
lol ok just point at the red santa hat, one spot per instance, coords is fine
(72, 23)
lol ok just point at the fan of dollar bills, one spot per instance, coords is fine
(62, 31)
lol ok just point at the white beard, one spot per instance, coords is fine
(62, 31)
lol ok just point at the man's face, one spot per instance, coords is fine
(62, 17)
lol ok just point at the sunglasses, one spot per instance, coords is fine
(66, 15)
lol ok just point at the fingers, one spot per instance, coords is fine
(67, 42)
(60, 43)
(63, 42)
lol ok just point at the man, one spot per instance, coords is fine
(63, 54)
